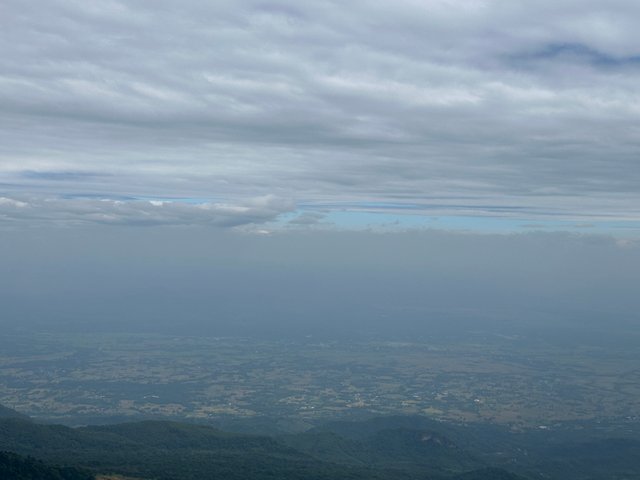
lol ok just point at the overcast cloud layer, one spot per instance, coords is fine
(244, 110)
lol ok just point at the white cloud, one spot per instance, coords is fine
(137, 212)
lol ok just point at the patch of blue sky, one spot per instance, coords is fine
(579, 52)
(394, 221)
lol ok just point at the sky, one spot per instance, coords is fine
(263, 163)
(483, 115)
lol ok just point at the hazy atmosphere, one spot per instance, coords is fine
(168, 279)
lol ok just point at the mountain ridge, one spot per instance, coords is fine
(181, 451)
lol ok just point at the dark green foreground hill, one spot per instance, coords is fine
(381, 448)
(176, 451)
(10, 413)
(16, 467)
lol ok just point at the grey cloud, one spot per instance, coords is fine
(59, 176)
(529, 107)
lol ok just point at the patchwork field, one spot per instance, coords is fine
(509, 380)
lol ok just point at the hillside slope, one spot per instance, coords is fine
(17, 467)
(178, 451)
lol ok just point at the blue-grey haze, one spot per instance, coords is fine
(205, 281)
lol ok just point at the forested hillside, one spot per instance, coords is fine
(176, 451)
(380, 448)
(16, 467)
